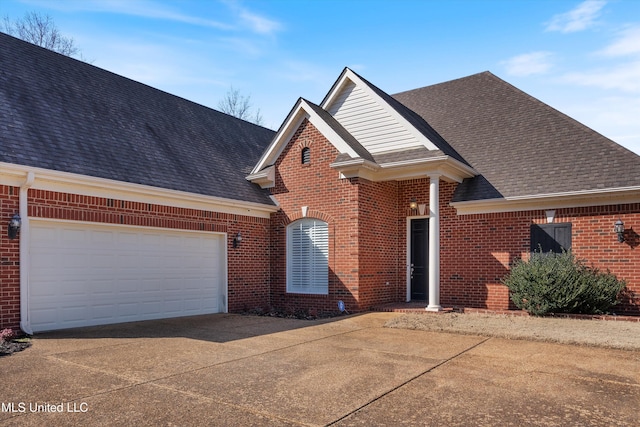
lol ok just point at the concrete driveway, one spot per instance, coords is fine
(242, 370)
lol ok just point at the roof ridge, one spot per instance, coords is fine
(487, 72)
(120, 76)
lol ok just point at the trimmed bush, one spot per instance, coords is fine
(561, 283)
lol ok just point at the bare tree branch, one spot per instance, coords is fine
(40, 30)
(238, 105)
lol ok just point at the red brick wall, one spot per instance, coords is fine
(248, 265)
(595, 241)
(368, 250)
(476, 250)
(9, 261)
(378, 244)
(328, 198)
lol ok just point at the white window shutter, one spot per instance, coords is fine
(308, 257)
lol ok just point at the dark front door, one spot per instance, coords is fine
(419, 247)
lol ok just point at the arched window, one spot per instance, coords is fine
(306, 155)
(308, 257)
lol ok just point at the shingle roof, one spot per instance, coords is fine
(66, 115)
(519, 145)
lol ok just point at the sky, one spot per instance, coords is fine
(580, 57)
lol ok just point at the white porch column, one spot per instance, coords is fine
(434, 243)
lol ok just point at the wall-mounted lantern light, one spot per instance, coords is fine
(237, 240)
(413, 204)
(618, 228)
(14, 226)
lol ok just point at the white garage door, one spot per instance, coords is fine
(87, 274)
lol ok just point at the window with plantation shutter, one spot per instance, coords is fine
(308, 257)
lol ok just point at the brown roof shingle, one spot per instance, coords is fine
(519, 145)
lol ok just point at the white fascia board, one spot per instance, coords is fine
(357, 168)
(576, 199)
(449, 169)
(335, 89)
(282, 137)
(47, 179)
(349, 75)
(301, 111)
(328, 132)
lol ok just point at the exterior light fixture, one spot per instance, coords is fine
(551, 214)
(618, 228)
(413, 204)
(237, 240)
(14, 226)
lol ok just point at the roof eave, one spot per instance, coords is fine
(447, 168)
(47, 179)
(575, 199)
(356, 168)
(265, 178)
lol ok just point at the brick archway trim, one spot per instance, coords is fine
(311, 213)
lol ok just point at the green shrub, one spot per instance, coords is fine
(561, 283)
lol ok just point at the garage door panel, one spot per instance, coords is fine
(192, 304)
(150, 307)
(102, 311)
(103, 288)
(87, 274)
(73, 313)
(73, 288)
(72, 235)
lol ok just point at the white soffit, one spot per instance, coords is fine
(370, 119)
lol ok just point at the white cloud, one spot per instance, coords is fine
(255, 22)
(259, 24)
(142, 8)
(243, 47)
(578, 19)
(624, 77)
(627, 44)
(161, 65)
(302, 71)
(358, 67)
(529, 63)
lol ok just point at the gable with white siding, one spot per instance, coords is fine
(371, 120)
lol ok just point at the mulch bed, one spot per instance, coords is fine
(292, 314)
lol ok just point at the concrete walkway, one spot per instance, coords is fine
(233, 370)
